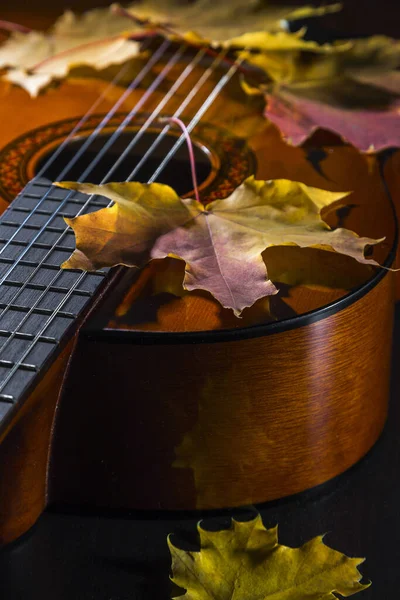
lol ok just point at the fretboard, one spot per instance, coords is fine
(39, 302)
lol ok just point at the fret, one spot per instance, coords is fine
(39, 302)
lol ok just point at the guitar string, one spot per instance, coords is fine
(40, 334)
(117, 79)
(93, 164)
(103, 123)
(171, 63)
(62, 204)
(82, 122)
(193, 123)
(214, 65)
(131, 114)
(184, 75)
(138, 105)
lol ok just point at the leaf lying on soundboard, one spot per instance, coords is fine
(354, 92)
(105, 36)
(98, 38)
(221, 243)
(223, 22)
(247, 561)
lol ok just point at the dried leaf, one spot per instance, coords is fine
(221, 243)
(282, 43)
(102, 37)
(98, 38)
(220, 22)
(246, 561)
(353, 89)
(298, 115)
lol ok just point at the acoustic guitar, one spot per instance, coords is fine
(116, 391)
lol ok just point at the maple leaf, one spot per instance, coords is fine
(98, 38)
(221, 243)
(354, 92)
(221, 22)
(102, 37)
(246, 561)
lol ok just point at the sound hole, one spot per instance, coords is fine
(176, 173)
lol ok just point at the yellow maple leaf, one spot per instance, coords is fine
(221, 243)
(247, 562)
(223, 21)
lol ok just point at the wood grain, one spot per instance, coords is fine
(219, 424)
(210, 425)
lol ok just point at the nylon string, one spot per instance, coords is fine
(217, 89)
(134, 84)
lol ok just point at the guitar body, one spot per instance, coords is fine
(158, 400)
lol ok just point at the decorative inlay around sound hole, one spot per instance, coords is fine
(223, 161)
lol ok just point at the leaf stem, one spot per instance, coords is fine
(80, 47)
(189, 142)
(119, 10)
(10, 26)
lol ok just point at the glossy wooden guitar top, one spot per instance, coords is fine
(235, 120)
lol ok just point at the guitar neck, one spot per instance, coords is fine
(40, 304)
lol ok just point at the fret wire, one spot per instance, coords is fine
(155, 84)
(52, 281)
(137, 107)
(133, 85)
(223, 81)
(54, 214)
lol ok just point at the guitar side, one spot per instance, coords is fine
(24, 454)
